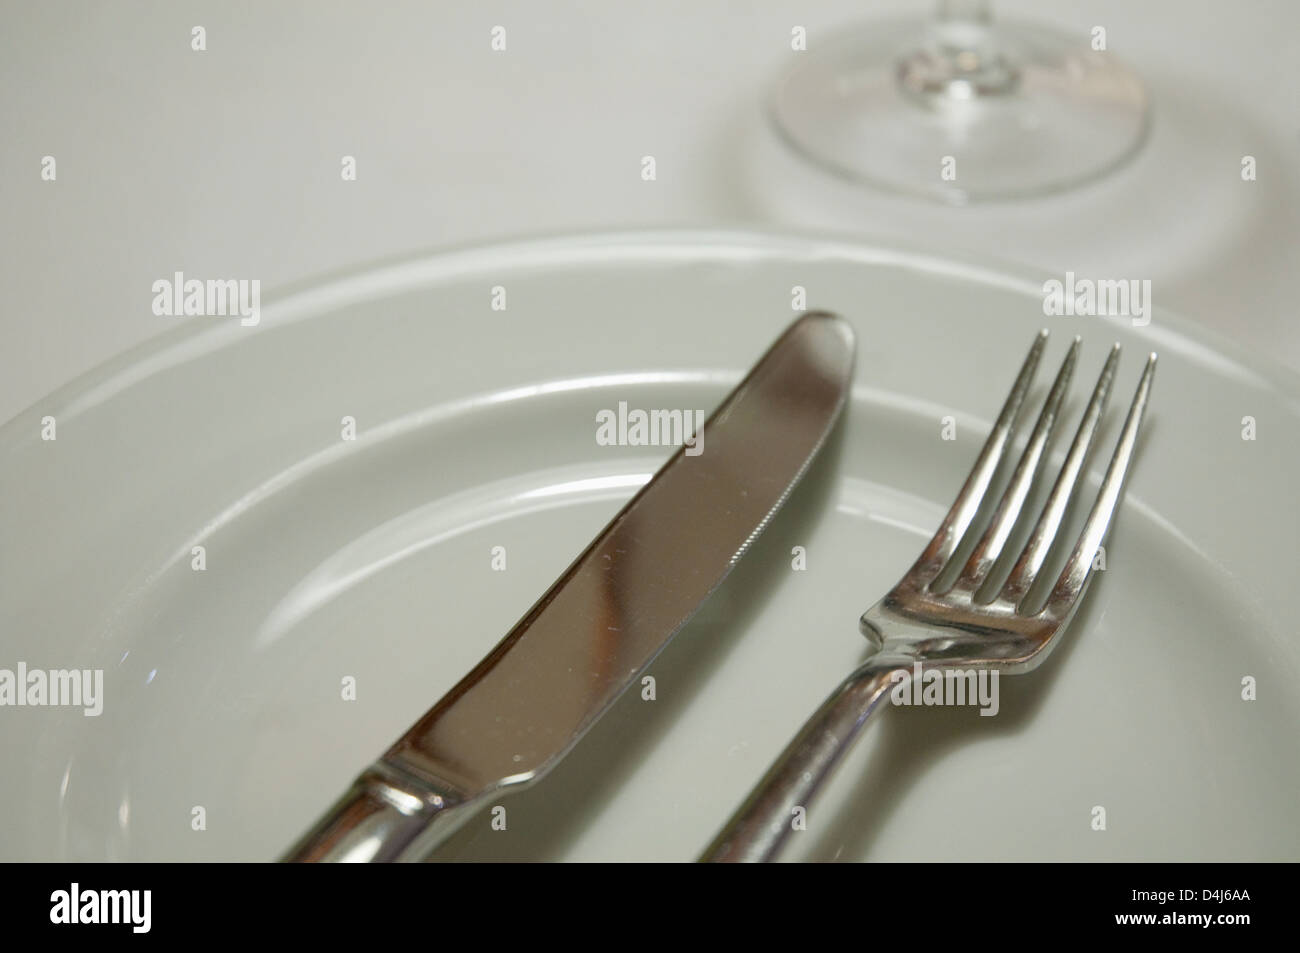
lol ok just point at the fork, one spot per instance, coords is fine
(924, 624)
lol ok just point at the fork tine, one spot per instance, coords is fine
(1076, 572)
(944, 542)
(1049, 521)
(990, 546)
(941, 546)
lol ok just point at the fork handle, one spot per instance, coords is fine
(761, 825)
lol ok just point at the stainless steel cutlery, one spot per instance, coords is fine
(606, 618)
(970, 602)
(924, 623)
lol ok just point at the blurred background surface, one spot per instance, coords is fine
(227, 162)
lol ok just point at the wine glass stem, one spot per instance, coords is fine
(962, 33)
(969, 11)
(959, 58)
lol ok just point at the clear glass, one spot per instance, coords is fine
(961, 109)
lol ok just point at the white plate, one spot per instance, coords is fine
(371, 559)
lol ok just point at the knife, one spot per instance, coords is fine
(565, 663)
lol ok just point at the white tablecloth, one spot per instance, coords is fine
(227, 162)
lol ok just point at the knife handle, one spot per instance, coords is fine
(761, 825)
(385, 816)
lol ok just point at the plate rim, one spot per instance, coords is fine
(1212, 346)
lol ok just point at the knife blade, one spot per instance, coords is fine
(530, 700)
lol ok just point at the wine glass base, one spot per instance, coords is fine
(1050, 114)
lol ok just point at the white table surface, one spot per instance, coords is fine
(226, 163)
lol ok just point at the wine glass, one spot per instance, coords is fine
(963, 109)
